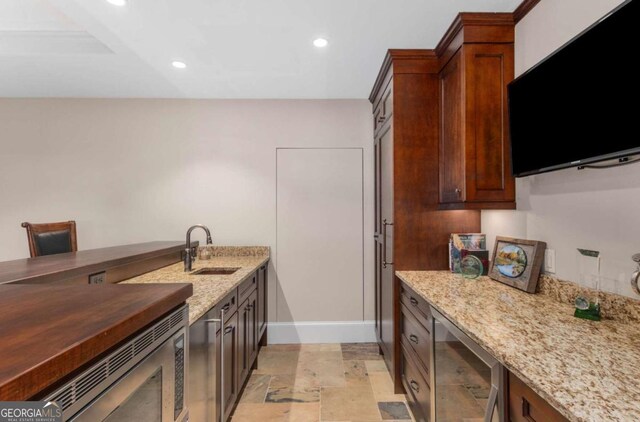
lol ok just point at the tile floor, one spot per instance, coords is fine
(320, 382)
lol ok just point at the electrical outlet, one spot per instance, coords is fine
(98, 278)
(550, 261)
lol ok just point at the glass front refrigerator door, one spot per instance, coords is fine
(467, 378)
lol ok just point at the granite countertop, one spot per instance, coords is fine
(589, 371)
(209, 289)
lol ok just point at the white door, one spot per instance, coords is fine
(319, 254)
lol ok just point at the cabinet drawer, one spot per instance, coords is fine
(418, 391)
(247, 286)
(415, 304)
(525, 405)
(229, 304)
(416, 338)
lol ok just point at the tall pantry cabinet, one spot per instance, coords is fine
(411, 233)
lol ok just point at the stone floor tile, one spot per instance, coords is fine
(355, 373)
(328, 382)
(326, 369)
(348, 404)
(293, 395)
(272, 362)
(256, 389)
(360, 351)
(382, 386)
(376, 366)
(394, 411)
(277, 412)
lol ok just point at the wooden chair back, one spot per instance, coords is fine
(51, 238)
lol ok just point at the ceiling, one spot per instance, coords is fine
(232, 48)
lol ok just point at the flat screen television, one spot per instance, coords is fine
(580, 105)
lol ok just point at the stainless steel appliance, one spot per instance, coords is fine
(144, 380)
(468, 381)
(205, 368)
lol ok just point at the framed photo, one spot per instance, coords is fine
(517, 262)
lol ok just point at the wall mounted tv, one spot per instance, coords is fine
(580, 105)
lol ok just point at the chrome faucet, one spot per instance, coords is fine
(189, 253)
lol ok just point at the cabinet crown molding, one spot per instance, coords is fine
(409, 61)
(478, 28)
(524, 8)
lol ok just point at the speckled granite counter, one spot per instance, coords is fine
(589, 371)
(209, 289)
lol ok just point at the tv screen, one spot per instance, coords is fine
(580, 105)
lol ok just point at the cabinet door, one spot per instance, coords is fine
(488, 68)
(252, 328)
(452, 131)
(378, 241)
(229, 363)
(385, 247)
(243, 341)
(262, 301)
(525, 405)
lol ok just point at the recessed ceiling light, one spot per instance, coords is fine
(320, 42)
(117, 2)
(178, 64)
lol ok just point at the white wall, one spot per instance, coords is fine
(138, 170)
(569, 209)
(320, 234)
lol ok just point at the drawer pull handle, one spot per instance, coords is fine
(228, 330)
(226, 307)
(415, 386)
(526, 410)
(413, 338)
(414, 301)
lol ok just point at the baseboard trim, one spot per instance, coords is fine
(321, 332)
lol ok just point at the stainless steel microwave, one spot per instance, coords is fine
(145, 380)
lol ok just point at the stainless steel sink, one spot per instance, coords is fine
(215, 271)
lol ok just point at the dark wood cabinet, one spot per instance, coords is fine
(475, 157)
(417, 387)
(525, 405)
(441, 144)
(384, 239)
(247, 336)
(252, 330)
(263, 309)
(243, 333)
(416, 338)
(451, 150)
(411, 232)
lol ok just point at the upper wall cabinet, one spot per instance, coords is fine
(476, 57)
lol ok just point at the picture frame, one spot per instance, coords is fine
(517, 262)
